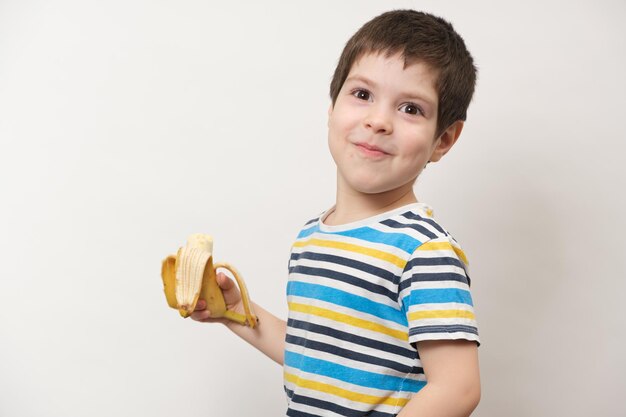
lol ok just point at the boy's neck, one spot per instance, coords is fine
(353, 206)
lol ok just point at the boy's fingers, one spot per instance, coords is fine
(224, 282)
(200, 305)
(201, 315)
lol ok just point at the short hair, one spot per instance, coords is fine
(418, 37)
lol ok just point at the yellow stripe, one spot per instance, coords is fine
(344, 318)
(441, 314)
(374, 253)
(444, 246)
(344, 393)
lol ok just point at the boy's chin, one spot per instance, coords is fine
(372, 185)
(382, 189)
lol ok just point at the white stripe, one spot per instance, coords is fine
(439, 253)
(421, 269)
(313, 410)
(442, 322)
(435, 285)
(441, 306)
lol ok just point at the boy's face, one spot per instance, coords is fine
(381, 131)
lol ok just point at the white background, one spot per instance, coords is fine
(127, 125)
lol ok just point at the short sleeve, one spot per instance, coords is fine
(435, 295)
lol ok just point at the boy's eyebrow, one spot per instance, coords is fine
(362, 79)
(371, 83)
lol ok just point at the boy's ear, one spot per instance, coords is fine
(446, 140)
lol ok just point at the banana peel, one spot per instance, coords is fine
(191, 275)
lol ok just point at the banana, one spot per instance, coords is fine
(191, 275)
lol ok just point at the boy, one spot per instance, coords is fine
(378, 291)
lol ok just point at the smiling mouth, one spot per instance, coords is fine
(371, 151)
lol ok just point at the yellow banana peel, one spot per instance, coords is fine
(191, 275)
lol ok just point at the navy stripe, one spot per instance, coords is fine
(340, 260)
(326, 405)
(296, 413)
(441, 260)
(348, 354)
(353, 338)
(443, 329)
(417, 227)
(413, 216)
(439, 276)
(312, 221)
(349, 279)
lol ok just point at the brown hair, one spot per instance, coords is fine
(418, 37)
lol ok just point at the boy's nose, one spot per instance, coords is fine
(379, 121)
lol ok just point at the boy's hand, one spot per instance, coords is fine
(232, 297)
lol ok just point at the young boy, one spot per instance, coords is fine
(378, 291)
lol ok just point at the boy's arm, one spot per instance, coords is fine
(453, 387)
(269, 334)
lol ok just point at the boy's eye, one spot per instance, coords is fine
(411, 108)
(361, 94)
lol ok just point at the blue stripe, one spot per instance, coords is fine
(308, 232)
(399, 240)
(351, 375)
(438, 295)
(345, 299)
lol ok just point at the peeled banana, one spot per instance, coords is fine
(190, 275)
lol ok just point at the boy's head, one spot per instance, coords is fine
(417, 37)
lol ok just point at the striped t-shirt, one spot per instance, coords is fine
(360, 296)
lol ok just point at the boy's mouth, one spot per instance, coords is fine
(370, 150)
